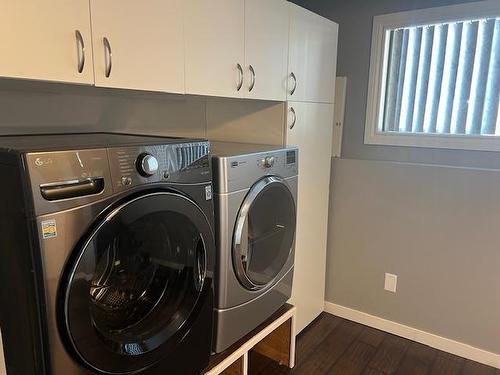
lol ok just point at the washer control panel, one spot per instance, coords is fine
(64, 179)
(181, 163)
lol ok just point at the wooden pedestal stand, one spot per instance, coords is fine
(274, 339)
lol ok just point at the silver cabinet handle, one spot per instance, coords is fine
(108, 57)
(80, 45)
(252, 71)
(292, 91)
(292, 110)
(240, 73)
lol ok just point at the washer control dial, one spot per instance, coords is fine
(147, 165)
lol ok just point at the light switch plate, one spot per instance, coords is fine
(391, 282)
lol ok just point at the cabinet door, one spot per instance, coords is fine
(215, 47)
(46, 40)
(138, 44)
(266, 49)
(312, 133)
(313, 57)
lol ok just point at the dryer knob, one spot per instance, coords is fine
(147, 165)
(269, 162)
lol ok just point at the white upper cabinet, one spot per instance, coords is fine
(312, 60)
(256, 49)
(215, 47)
(138, 44)
(46, 40)
(266, 49)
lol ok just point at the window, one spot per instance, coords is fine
(435, 78)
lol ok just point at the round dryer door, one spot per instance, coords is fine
(264, 233)
(134, 286)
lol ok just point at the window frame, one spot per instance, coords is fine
(378, 75)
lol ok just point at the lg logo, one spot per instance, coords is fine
(39, 162)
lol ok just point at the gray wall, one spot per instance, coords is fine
(39, 107)
(436, 228)
(355, 19)
(428, 215)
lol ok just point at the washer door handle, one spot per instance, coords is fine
(200, 266)
(72, 189)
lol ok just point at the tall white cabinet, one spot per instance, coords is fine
(38, 42)
(310, 126)
(312, 57)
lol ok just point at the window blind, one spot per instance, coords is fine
(443, 79)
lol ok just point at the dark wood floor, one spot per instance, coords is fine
(331, 345)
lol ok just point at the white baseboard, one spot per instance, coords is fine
(426, 338)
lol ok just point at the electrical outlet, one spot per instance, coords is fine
(391, 282)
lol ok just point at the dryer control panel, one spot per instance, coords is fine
(238, 166)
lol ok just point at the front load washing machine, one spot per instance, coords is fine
(107, 255)
(255, 196)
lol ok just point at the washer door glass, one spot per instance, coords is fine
(264, 233)
(136, 282)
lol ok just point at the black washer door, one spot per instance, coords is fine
(264, 233)
(136, 282)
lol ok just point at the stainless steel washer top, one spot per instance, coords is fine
(255, 205)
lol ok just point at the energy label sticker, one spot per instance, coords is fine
(49, 229)
(208, 192)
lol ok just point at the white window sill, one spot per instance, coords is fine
(457, 142)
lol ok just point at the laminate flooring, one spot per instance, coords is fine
(331, 345)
